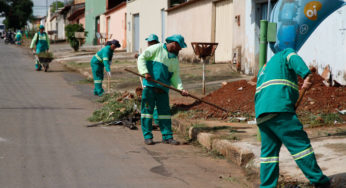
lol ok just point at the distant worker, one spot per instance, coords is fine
(154, 39)
(19, 37)
(160, 62)
(276, 95)
(41, 41)
(102, 59)
(26, 34)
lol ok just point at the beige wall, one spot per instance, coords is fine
(244, 35)
(149, 17)
(193, 22)
(82, 21)
(224, 19)
(79, 1)
(117, 25)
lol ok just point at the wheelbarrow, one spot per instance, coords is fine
(44, 61)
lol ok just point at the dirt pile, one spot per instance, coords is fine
(239, 97)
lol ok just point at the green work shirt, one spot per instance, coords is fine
(162, 65)
(19, 35)
(42, 43)
(105, 56)
(277, 83)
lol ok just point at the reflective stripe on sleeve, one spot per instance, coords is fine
(98, 81)
(290, 55)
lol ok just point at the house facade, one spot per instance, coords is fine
(115, 23)
(93, 10)
(143, 19)
(77, 13)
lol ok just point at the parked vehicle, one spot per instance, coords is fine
(10, 36)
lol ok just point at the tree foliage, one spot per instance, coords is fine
(55, 5)
(16, 12)
(70, 30)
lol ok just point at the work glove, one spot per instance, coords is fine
(307, 82)
(109, 74)
(148, 77)
(184, 93)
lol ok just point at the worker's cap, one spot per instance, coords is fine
(152, 37)
(114, 42)
(177, 38)
(41, 27)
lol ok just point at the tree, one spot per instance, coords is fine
(3, 6)
(17, 12)
(70, 30)
(55, 5)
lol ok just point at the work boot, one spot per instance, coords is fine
(171, 141)
(149, 141)
(322, 185)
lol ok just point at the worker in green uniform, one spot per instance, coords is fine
(19, 37)
(102, 59)
(276, 94)
(160, 62)
(41, 41)
(154, 39)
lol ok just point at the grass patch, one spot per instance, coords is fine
(85, 81)
(115, 107)
(214, 154)
(230, 137)
(78, 64)
(124, 62)
(315, 120)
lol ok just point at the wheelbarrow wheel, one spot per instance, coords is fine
(45, 66)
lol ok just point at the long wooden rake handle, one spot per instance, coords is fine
(179, 91)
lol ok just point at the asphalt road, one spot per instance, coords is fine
(44, 141)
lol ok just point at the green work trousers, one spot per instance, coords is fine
(152, 97)
(97, 70)
(286, 129)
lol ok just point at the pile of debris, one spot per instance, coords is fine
(117, 107)
(238, 97)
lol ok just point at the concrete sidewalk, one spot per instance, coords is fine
(329, 145)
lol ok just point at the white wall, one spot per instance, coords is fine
(327, 46)
(244, 35)
(149, 17)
